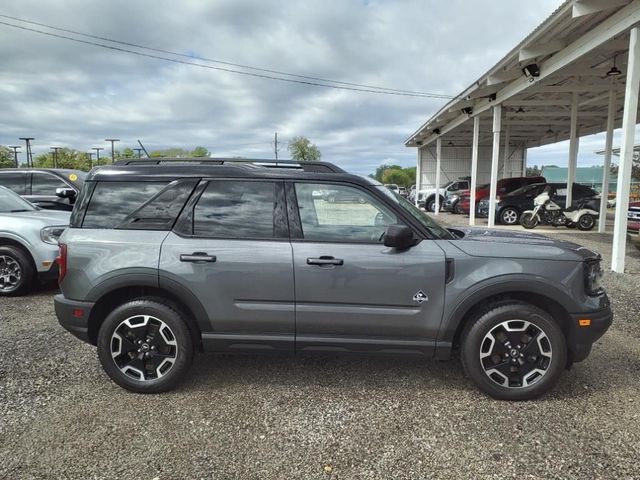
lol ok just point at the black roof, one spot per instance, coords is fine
(171, 168)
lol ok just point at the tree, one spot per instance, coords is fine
(398, 176)
(534, 171)
(382, 168)
(302, 150)
(200, 152)
(6, 157)
(67, 158)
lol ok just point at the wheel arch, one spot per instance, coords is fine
(11, 241)
(547, 297)
(192, 312)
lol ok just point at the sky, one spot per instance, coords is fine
(75, 95)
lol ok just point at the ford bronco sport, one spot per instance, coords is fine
(167, 258)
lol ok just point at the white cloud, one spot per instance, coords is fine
(76, 95)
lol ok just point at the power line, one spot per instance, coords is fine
(366, 89)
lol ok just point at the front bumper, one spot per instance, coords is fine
(581, 338)
(74, 316)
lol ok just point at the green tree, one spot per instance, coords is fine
(200, 152)
(382, 168)
(180, 152)
(6, 157)
(67, 158)
(301, 150)
(398, 176)
(534, 171)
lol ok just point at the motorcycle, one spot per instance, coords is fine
(546, 210)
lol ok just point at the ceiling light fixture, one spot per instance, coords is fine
(614, 71)
(550, 132)
(520, 110)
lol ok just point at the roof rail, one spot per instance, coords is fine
(307, 166)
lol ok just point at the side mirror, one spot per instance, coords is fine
(66, 193)
(399, 236)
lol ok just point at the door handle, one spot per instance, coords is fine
(325, 260)
(198, 257)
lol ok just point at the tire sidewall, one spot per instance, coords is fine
(470, 350)
(593, 222)
(26, 267)
(175, 322)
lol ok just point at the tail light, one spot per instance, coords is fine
(61, 260)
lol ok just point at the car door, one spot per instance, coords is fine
(43, 191)
(230, 249)
(352, 292)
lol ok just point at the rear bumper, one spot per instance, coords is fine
(73, 316)
(581, 338)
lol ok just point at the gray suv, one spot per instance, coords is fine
(166, 259)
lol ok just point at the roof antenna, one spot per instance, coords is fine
(144, 149)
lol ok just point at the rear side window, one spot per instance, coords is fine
(236, 209)
(14, 181)
(45, 184)
(114, 204)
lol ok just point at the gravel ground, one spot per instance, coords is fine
(256, 417)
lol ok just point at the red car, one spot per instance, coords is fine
(505, 185)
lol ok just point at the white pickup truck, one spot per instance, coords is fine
(427, 196)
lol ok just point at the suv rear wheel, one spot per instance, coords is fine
(145, 346)
(16, 271)
(514, 351)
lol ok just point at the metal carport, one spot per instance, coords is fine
(559, 83)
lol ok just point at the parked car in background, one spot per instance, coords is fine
(402, 191)
(633, 223)
(48, 188)
(28, 243)
(427, 196)
(236, 258)
(509, 207)
(393, 187)
(451, 203)
(341, 196)
(504, 186)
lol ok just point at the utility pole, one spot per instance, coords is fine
(97, 149)
(55, 155)
(90, 159)
(15, 153)
(139, 150)
(112, 140)
(275, 146)
(27, 141)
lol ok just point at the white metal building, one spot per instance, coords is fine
(577, 74)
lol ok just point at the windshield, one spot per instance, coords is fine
(11, 202)
(425, 220)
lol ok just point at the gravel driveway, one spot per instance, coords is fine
(315, 417)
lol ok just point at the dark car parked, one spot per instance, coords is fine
(48, 188)
(509, 207)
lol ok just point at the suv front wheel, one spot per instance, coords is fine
(145, 346)
(514, 351)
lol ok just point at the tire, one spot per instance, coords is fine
(16, 271)
(528, 220)
(431, 204)
(170, 348)
(457, 210)
(509, 216)
(586, 222)
(534, 357)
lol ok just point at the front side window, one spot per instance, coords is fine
(341, 213)
(46, 184)
(236, 209)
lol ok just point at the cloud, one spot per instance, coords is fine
(76, 95)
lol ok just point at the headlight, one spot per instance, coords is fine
(51, 234)
(593, 277)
